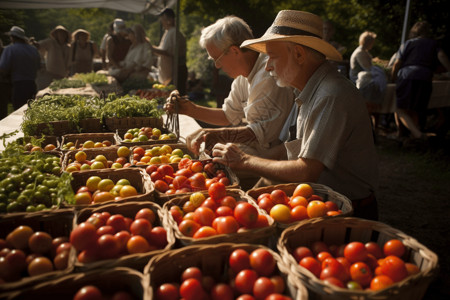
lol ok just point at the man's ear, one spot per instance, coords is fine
(235, 49)
(299, 53)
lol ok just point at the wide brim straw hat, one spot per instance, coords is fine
(78, 31)
(17, 32)
(299, 27)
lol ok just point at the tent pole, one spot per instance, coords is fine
(175, 58)
(405, 22)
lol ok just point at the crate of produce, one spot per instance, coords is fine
(48, 143)
(35, 234)
(409, 265)
(139, 240)
(147, 136)
(165, 153)
(247, 223)
(112, 157)
(115, 283)
(94, 140)
(331, 202)
(216, 268)
(107, 186)
(122, 125)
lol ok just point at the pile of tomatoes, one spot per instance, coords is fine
(220, 213)
(252, 275)
(357, 266)
(192, 175)
(107, 236)
(303, 204)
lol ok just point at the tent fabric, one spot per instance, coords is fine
(133, 6)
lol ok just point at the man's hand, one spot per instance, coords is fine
(210, 137)
(184, 105)
(229, 155)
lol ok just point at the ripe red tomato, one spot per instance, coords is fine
(246, 214)
(262, 261)
(158, 237)
(222, 291)
(217, 190)
(374, 249)
(279, 197)
(239, 260)
(180, 181)
(319, 246)
(394, 247)
(192, 272)
(229, 201)
(184, 163)
(117, 221)
(380, 282)
(299, 213)
(263, 287)
(141, 227)
(167, 291)
(334, 281)
(312, 265)
(108, 246)
(361, 273)
(227, 224)
(223, 211)
(204, 216)
(331, 206)
(210, 203)
(196, 167)
(245, 280)
(176, 213)
(394, 267)
(188, 227)
(355, 252)
(88, 292)
(84, 236)
(191, 289)
(165, 169)
(321, 256)
(266, 204)
(301, 252)
(204, 231)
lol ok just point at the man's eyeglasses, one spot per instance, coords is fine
(216, 61)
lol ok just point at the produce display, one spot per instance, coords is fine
(79, 161)
(145, 134)
(79, 80)
(158, 154)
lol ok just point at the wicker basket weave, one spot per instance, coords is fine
(79, 138)
(129, 210)
(251, 236)
(108, 281)
(137, 177)
(344, 230)
(343, 203)
(213, 261)
(57, 223)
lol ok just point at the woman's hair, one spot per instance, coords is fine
(420, 29)
(139, 33)
(226, 32)
(366, 38)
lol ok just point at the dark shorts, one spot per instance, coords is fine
(413, 94)
(23, 91)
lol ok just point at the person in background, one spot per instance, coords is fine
(369, 79)
(138, 61)
(5, 87)
(194, 87)
(57, 52)
(413, 73)
(333, 144)
(102, 48)
(83, 52)
(117, 45)
(21, 61)
(166, 52)
(254, 96)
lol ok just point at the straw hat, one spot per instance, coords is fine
(17, 32)
(299, 27)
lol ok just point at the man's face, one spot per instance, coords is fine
(280, 64)
(223, 59)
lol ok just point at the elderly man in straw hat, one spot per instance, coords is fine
(333, 143)
(21, 61)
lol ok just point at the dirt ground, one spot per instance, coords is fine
(414, 197)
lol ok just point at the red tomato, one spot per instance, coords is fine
(394, 267)
(380, 282)
(355, 252)
(412, 268)
(196, 167)
(188, 227)
(146, 213)
(394, 247)
(222, 291)
(197, 181)
(192, 272)
(277, 296)
(321, 256)
(299, 213)
(161, 185)
(301, 252)
(374, 249)
(184, 163)
(245, 280)
(191, 289)
(227, 224)
(184, 172)
(266, 204)
(108, 246)
(298, 201)
(167, 291)
(246, 214)
(84, 236)
(106, 229)
(141, 227)
(165, 169)
(245, 297)
(156, 175)
(331, 206)
(229, 201)
(204, 231)
(261, 222)
(263, 287)
(279, 283)
(180, 181)
(123, 237)
(223, 211)
(217, 190)
(88, 292)
(204, 216)
(224, 180)
(262, 261)
(312, 265)
(158, 237)
(176, 213)
(361, 273)
(117, 221)
(319, 246)
(239, 260)
(279, 197)
(210, 203)
(334, 281)
(261, 196)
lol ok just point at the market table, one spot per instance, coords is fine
(440, 97)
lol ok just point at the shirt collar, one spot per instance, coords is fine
(313, 83)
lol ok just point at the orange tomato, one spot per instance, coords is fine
(204, 231)
(380, 282)
(128, 191)
(361, 273)
(281, 213)
(299, 213)
(412, 268)
(394, 247)
(304, 190)
(298, 200)
(316, 209)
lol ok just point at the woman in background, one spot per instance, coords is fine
(83, 52)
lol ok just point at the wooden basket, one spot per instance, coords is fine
(129, 209)
(57, 223)
(213, 261)
(251, 236)
(56, 128)
(181, 146)
(137, 177)
(161, 198)
(344, 230)
(121, 125)
(108, 281)
(91, 125)
(343, 203)
(79, 138)
(109, 152)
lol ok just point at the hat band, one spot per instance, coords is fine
(285, 30)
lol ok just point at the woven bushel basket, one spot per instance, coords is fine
(121, 125)
(56, 128)
(135, 261)
(337, 231)
(79, 138)
(251, 236)
(109, 281)
(180, 146)
(212, 260)
(162, 198)
(343, 203)
(149, 141)
(136, 176)
(109, 152)
(56, 223)
(91, 125)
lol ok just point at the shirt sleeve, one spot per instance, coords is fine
(364, 60)
(234, 103)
